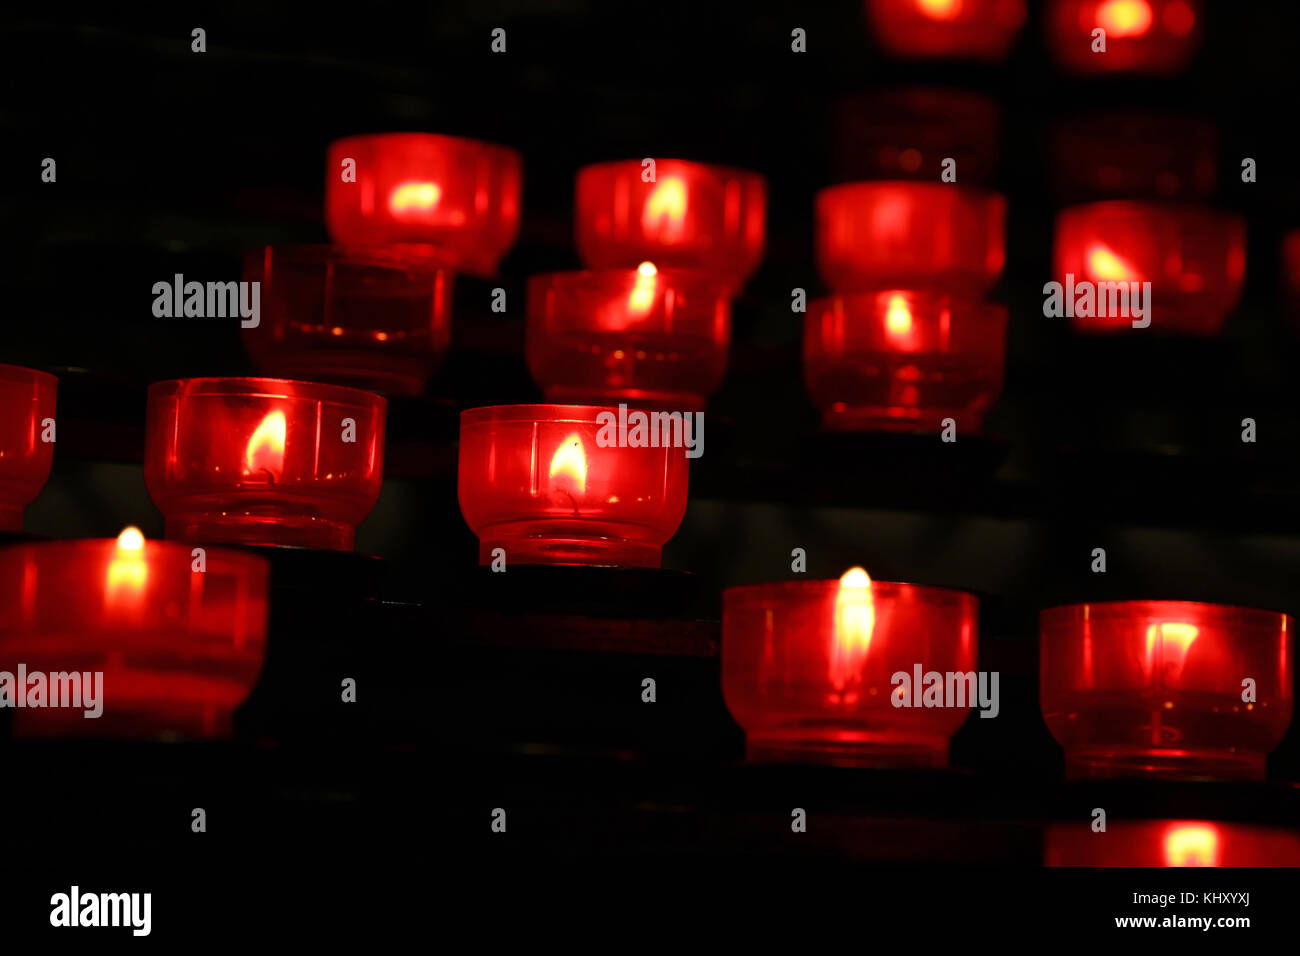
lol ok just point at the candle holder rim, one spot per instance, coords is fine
(775, 589)
(1061, 610)
(1182, 207)
(539, 412)
(217, 558)
(21, 373)
(312, 390)
(739, 172)
(570, 278)
(985, 194)
(446, 139)
(972, 308)
(411, 255)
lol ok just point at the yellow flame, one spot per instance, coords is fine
(1192, 844)
(570, 462)
(265, 451)
(414, 197)
(127, 570)
(1175, 640)
(855, 620)
(642, 298)
(898, 317)
(940, 9)
(1108, 267)
(665, 211)
(1124, 18)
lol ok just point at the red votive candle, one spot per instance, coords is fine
(957, 29)
(263, 461)
(377, 318)
(1193, 256)
(161, 641)
(1126, 155)
(640, 336)
(1170, 843)
(27, 400)
(903, 361)
(1142, 36)
(808, 669)
(692, 216)
(540, 483)
(1158, 687)
(908, 133)
(889, 235)
(459, 197)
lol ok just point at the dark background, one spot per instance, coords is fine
(171, 161)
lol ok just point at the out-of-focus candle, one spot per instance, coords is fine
(156, 639)
(377, 318)
(1141, 36)
(459, 197)
(1130, 155)
(1170, 843)
(1291, 271)
(540, 483)
(1168, 688)
(639, 336)
(263, 461)
(957, 29)
(809, 669)
(903, 361)
(1193, 256)
(891, 235)
(27, 399)
(690, 216)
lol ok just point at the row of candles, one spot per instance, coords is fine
(1172, 688)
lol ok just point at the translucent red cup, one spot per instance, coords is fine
(1170, 843)
(458, 198)
(641, 336)
(541, 484)
(1172, 689)
(957, 29)
(27, 400)
(263, 461)
(1142, 36)
(903, 361)
(377, 318)
(161, 639)
(909, 235)
(692, 216)
(808, 669)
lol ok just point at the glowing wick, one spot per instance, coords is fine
(569, 466)
(665, 211)
(940, 9)
(265, 452)
(855, 619)
(1175, 640)
(1192, 844)
(1124, 18)
(1108, 267)
(127, 570)
(898, 317)
(642, 298)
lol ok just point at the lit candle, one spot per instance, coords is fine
(27, 399)
(537, 486)
(263, 461)
(149, 639)
(959, 29)
(458, 197)
(1141, 36)
(1134, 843)
(641, 336)
(903, 361)
(1169, 688)
(689, 216)
(810, 669)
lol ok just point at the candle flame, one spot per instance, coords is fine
(414, 198)
(127, 570)
(665, 211)
(570, 462)
(642, 298)
(1192, 844)
(940, 9)
(1124, 18)
(898, 317)
(1108, 267)
(1175, 640)
(855, 620)
(265, 451)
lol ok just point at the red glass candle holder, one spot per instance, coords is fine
(692, 216)
(956, 29)
(907, 134)
(458, 197)
(808, 667)
(1291, 271)
(538, 482)
(1123, 155)
(1170, 843)
(903, 361)
(177, 639)
(890, 235)
(640, 336)
(27, 399)
(1142, 36)
(263, 460)
(1193, 256)
(377, 318)
(1156, 687)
